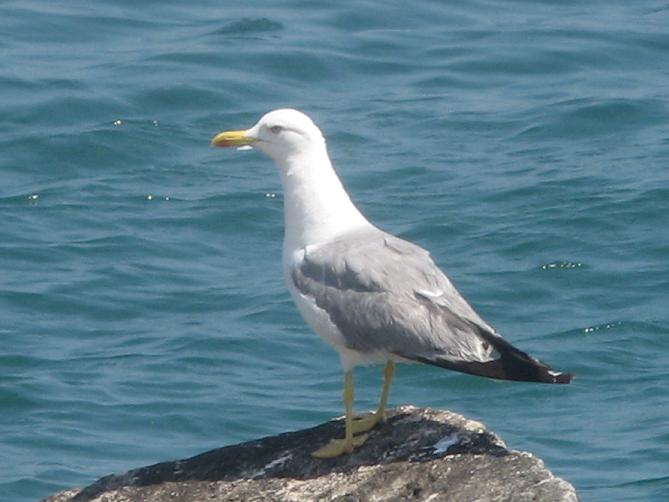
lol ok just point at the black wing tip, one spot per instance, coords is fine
(511, 363)
(519, 370)
(514, 364)
(563, 378)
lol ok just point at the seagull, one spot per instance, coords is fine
(372, 296)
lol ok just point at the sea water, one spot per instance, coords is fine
(144, 315)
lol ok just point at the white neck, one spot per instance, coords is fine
(316, 206)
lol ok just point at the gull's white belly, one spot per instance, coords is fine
(319, 321)
(317, 318)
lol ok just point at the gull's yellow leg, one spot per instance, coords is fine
(367, 423)
(338, 446)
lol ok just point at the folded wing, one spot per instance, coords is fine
(386, 295)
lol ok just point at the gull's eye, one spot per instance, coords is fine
(276, 129)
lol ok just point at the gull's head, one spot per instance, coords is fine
(279, 134)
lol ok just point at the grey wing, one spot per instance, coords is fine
(386, 294)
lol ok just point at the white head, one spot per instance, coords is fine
(316, 206)
(280, 134)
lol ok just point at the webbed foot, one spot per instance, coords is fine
(338, 447)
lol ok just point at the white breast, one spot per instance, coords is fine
(319, 320)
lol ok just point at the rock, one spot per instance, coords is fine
(416, 454)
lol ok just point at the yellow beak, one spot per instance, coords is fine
(232, 138)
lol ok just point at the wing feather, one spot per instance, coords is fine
(386, 294)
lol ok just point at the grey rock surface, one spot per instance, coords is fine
(416, 454)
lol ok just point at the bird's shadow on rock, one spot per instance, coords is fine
(407, 435)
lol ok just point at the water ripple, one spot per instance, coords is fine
(142, 291)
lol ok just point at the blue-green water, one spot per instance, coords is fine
(144, 317)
